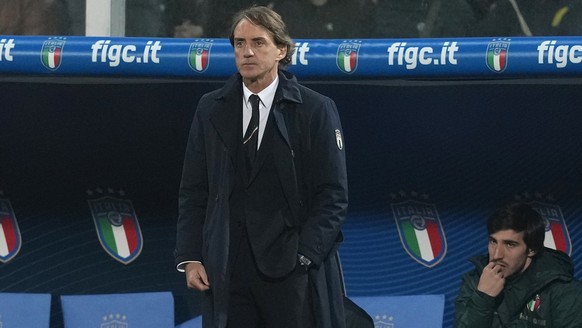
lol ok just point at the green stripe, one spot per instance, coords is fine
(193, 59)
(410, 237)
(108, 234)
(45, 55)
(490, 57)
(341, 59)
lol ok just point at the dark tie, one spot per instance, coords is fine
(251, 137)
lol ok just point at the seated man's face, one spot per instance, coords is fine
(508, 250)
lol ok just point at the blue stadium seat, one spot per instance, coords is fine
(144, 310)
(404, 311)
(25, 310)
(196, 322)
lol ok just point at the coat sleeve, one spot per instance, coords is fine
(328, 183)
(473, 309)
(193, 196)
(567, 305)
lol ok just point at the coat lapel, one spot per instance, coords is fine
(287, 96)
(227, 118)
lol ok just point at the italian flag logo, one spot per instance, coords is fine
(497, 52)
(534, 304)
(347, 56)
(557, 235)
(199, 55)
(117, 228)
(421, 232)
(10, 240)
(52, 53)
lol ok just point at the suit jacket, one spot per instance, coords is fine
(309, 154)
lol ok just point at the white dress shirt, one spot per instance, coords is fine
(267, 96)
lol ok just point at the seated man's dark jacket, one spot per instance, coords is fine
(545, 295)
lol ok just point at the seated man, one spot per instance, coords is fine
(520, 283)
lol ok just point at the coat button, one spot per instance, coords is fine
(301, 203)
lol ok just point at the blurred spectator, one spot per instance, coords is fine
(327, 19)
(532, 18)
(145, 18)
(32, 17)
(76, 12)
(186, 18)
(220, 13)
(481, 8)
(423, 18)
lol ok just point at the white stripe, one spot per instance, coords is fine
(3, 243)
(549, 240)
(347, 63)
(424, 244)
(51, 59)
(199, 62)
(497, 62)
(121, 241)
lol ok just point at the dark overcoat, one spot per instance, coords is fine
(309, 154)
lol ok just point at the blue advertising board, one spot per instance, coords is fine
(312, 59)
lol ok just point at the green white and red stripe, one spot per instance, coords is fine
(420, 230)
(199, 55)
(51, 57)
(497, 60)
(117, 228)
(199, 60)
(534, 304)
(347, 60)
(425, 244)
(122, 240)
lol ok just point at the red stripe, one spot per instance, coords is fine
(204, 59)
(434, 237)
(559, 236)
(9, 233)
(131, 234)
(502, 59)
(57, 56)
(353, 60)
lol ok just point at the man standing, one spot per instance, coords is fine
(520, 283)
(262, 199)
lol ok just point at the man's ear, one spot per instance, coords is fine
(282, 52)
(531, 253)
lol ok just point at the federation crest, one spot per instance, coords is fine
(534, 304)
(338, 139)
(51, 54)
(557, 235)
(117, 228)
(421, 232)
(497, 54)
(347, 56)
(10, 240)
(199, 55)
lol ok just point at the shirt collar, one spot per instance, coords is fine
(267, 94)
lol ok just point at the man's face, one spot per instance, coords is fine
(257, 57)
(507, 249)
